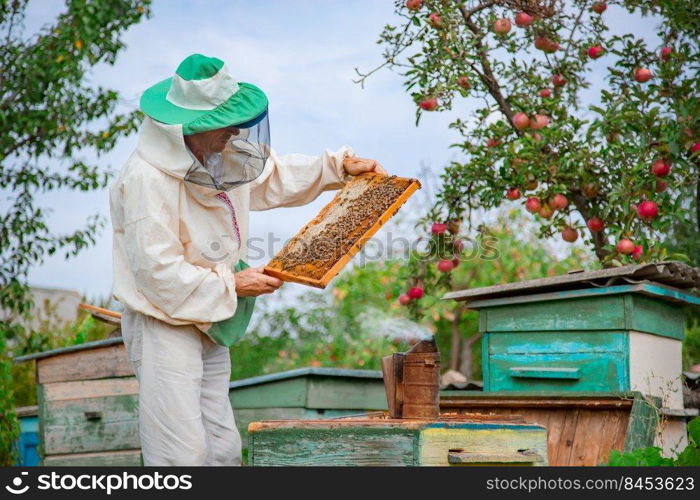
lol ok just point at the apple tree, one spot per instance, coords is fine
(595, 132)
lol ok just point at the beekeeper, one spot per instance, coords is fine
(180, 217)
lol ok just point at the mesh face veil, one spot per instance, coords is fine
(240, 161)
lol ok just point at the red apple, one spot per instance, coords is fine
(599, 7)
(595, 52)
(434, 20)
(642, 75)
(492, 142)
(558, 80)
(414, 4)
(455, 262)
(537, 137)
(513, 194)
(666, 53)
(546, 211)
(595, 224)
(541, 42)
(559, 202)
(695, 148)
(416, 292)
(545, 93)
(638, 252)
(404, 299)
(569, 234)
(661, 186)
(521, 121)
(647, 210)
(428, 104)
(625, 246)
(438, 228)
(501, 26)
(445, 266)
(551, 47)
(661, 168)
(463, 81)
(540, 122)
(533, 205)
(523, 19)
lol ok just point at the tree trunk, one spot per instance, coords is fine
(456, 338)
(467, 365)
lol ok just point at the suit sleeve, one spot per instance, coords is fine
(295, 179)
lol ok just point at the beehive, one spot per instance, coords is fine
(88, 405)
(320, 249)
(381, 441)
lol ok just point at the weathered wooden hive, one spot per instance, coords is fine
(380, 441)
(88, 405)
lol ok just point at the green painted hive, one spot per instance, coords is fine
(606, 338)
(306, 393)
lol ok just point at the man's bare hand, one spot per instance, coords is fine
(356, 166)
(252, 282)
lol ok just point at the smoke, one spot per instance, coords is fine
(376, 322)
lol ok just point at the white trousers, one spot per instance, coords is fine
(185, 416)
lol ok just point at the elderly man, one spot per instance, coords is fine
(180, 218)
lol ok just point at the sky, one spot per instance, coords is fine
(303, 54)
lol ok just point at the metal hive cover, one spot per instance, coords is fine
(671, 273)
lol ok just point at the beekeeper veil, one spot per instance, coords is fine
(246, 147)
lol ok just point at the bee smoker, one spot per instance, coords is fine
(412, 381)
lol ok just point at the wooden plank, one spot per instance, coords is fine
(340, 446)
(557, 342)
(91, 424)
(334, 393)
(449, 402)
(593, 423)
(553, 421)
(125, 458)
(597, 372)
(587, 313)
(612, 435)
(71, 348)
(564, 450)
(81, 389)
(101, 362)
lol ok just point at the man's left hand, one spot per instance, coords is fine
(356, 166)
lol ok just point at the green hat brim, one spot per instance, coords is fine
(247, 103)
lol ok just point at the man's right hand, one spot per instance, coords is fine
(252, 282)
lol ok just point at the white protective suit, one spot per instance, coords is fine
(174, 250)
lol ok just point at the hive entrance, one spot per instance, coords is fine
(321, 248)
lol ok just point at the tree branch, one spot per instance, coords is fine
(489, 78)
